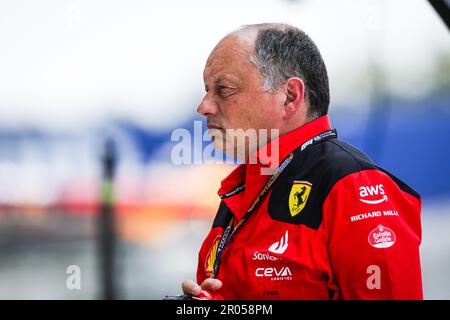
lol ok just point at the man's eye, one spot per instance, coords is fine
(225, 91)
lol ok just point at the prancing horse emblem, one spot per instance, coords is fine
(299, 195)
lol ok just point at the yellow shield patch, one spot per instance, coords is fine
(298, 196)
(211, 258)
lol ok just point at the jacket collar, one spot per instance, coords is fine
(252, 174)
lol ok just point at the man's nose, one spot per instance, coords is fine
(207, 106)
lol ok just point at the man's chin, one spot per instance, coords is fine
(230, 151)
(219, 144)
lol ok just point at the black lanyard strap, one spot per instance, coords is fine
(227, 234)
(236, 190)
(230, 231)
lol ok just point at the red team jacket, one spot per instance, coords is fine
(332, 226)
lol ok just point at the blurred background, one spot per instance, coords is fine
(91, 91)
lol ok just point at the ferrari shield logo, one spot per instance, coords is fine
(298, 196)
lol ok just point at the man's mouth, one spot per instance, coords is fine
(214, 126)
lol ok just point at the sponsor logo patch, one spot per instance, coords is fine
(264, 257)
(374, 214)
(298, 196)
(211, 257)
(375, 194)
(280, 246)
(382, 237)
(275, 274)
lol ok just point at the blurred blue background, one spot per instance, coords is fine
(74, 74)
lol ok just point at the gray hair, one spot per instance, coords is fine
(282, 52)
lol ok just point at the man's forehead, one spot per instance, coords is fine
(227, 59)
(221, 69)
(223, 75)
(223, 72)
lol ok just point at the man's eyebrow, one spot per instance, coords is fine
(225, 77)
(217, 79)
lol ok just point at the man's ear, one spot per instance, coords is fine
(295, 95)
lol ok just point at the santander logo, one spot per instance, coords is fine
(280, 246)
(372, 191)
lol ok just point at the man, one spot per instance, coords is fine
(327, 223)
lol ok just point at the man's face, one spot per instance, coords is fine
(234, 97)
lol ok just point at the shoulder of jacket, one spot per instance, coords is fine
(299, 193)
